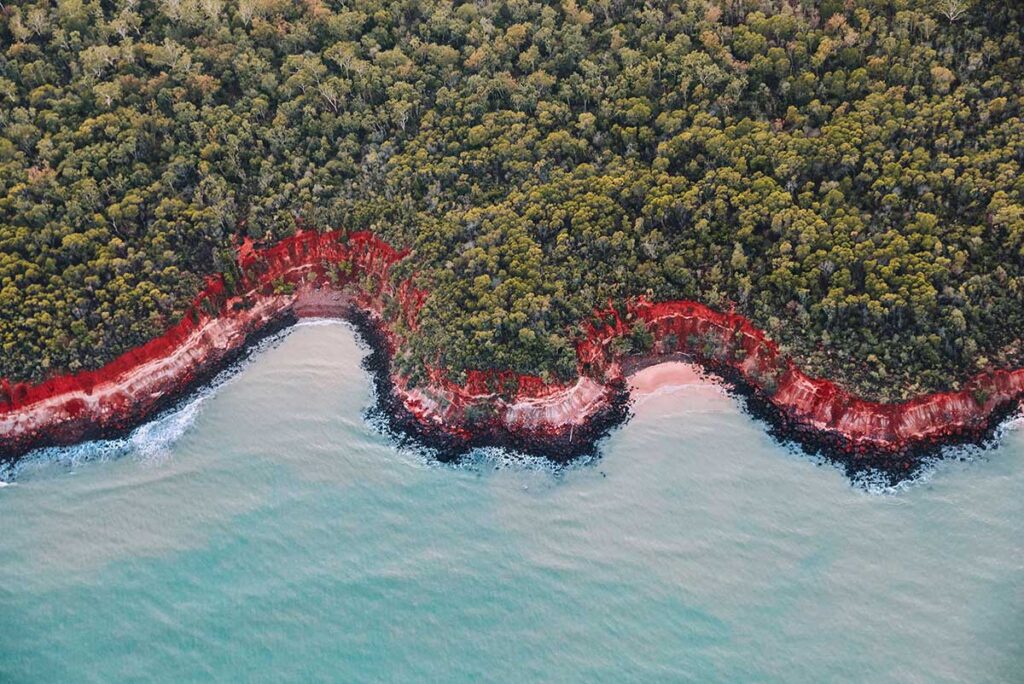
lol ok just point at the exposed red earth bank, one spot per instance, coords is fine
(327, 274)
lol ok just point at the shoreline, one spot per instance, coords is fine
(346, 276)
(667, 374)
(647, 377)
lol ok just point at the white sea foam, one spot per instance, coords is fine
(502, 458)
(319, 321)
(948, 459)
(150, 441)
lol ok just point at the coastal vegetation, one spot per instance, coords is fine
(845, 173)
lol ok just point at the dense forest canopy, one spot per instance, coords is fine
(847, 173)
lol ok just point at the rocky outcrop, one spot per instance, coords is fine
(335, 274)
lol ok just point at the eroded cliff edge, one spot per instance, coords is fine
(347, 275)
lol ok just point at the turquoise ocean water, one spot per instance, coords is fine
(266, 532)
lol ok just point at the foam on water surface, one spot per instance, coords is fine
(673, 382)
(291, 541)
(152, 440)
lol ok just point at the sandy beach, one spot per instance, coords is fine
(670, 374)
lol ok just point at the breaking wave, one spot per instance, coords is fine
(153, 440)
(150, 441)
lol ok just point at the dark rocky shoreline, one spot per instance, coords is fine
(400, 424)
(893, 468)
(403, 426)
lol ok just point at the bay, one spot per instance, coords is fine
(268, 532)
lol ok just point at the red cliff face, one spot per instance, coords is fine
(323, 274)
(730, 340)
(304, 275)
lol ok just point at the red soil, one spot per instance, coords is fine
(322, 274)
(303, 271)
(730, 340)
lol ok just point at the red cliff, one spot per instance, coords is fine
(302, 276)
(325, 274)
(729, 340)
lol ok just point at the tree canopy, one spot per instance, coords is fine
(847, 173)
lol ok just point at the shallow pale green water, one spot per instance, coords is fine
(279, 537)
